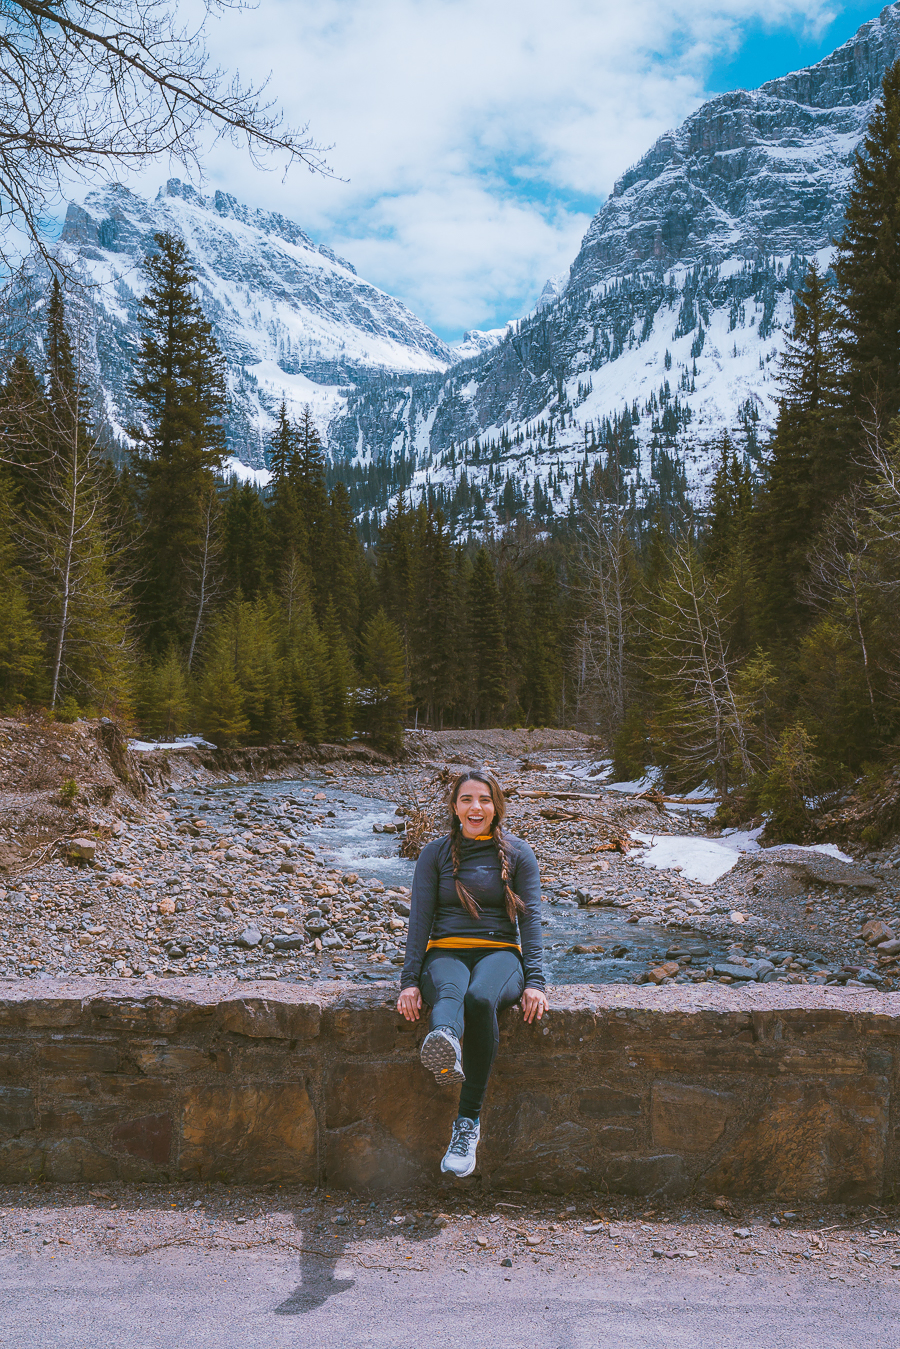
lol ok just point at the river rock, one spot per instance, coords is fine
(738, 971)
(875, 931)
(82, 849)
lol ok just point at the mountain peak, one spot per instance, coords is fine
(750, 172)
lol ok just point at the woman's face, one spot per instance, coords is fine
(475, 808)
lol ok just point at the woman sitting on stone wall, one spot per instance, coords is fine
(473, 947)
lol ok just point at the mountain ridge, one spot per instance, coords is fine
(664, 334)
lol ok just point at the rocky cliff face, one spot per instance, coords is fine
(747, 173)
(294, 319)
(667, 331)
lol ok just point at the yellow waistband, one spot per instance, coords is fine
(461, 943)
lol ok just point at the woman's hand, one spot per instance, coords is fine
(409, 1003)
(534, 1003)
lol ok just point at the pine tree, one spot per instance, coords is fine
(163, 700)
(282, 446)
(514, 609)
(394, 566)
(21, 647)
(488, 646)
(433, 660)
(342, 561)
(728, 551)
(383, 705)
(867, 266)
(308, 480)
(66, 536)
(180, 386)
(305, 656)
(543, 664)
(339, 679)
(809, 464)
(245, 541)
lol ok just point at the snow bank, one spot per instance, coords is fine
(705, 860)
(183, 742)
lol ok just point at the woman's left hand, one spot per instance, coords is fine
(534, 1003)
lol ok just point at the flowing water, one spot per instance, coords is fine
(340, 828)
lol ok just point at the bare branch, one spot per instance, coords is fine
(88, 86)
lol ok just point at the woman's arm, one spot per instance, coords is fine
(526, 881)
(421, 914)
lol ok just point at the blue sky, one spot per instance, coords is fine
(766, 53)
(473, 140)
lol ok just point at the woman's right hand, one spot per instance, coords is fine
(409, 1003)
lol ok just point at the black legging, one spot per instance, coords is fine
(466, 990)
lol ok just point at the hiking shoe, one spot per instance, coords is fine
(441, 1054)
(459, 1159)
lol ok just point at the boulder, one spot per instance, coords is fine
(82, 849)
(876, 931)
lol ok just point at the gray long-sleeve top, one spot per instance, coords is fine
(435, 909)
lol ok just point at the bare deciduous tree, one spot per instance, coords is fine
(88, 85)
(703, 713)
(204, 568)
(604, 651)
(65, 532)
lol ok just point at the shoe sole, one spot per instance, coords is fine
(439, 1057)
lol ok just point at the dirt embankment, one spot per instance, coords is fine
(57, 779)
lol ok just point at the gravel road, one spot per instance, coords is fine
(210, 1266)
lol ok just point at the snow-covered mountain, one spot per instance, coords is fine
(664, 333)
(667, 329)
(294, 320)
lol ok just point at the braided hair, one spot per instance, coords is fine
(499, 836)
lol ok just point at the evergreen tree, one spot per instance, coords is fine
(728, 551)
(514, 609)
(21, 647)
(65, 531)
(282, 446)
(810, 462)
(383, 704)
(339, 679)
(487, 642)
(433, 660)
(867, 266)
(543, 663)
(245, 541)
(163, 700)
(180, 385)
(308, 479)
(342, 562)
(394, 566)
(306, 663)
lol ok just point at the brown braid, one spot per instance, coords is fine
(466, 898)
(514, 904)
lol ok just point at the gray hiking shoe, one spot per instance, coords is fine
(441, 1054)
(459, 1159)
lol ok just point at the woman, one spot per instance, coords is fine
(473, 948)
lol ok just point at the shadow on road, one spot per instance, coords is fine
(318, 1281)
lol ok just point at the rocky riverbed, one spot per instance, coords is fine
(176, 866)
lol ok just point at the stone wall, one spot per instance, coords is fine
(788, 1093)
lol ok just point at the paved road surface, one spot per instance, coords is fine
(190, 1299)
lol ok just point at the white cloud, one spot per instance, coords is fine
(476, 137)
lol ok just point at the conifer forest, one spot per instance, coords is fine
(751, 639)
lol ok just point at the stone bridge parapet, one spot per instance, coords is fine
(774, 1091)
